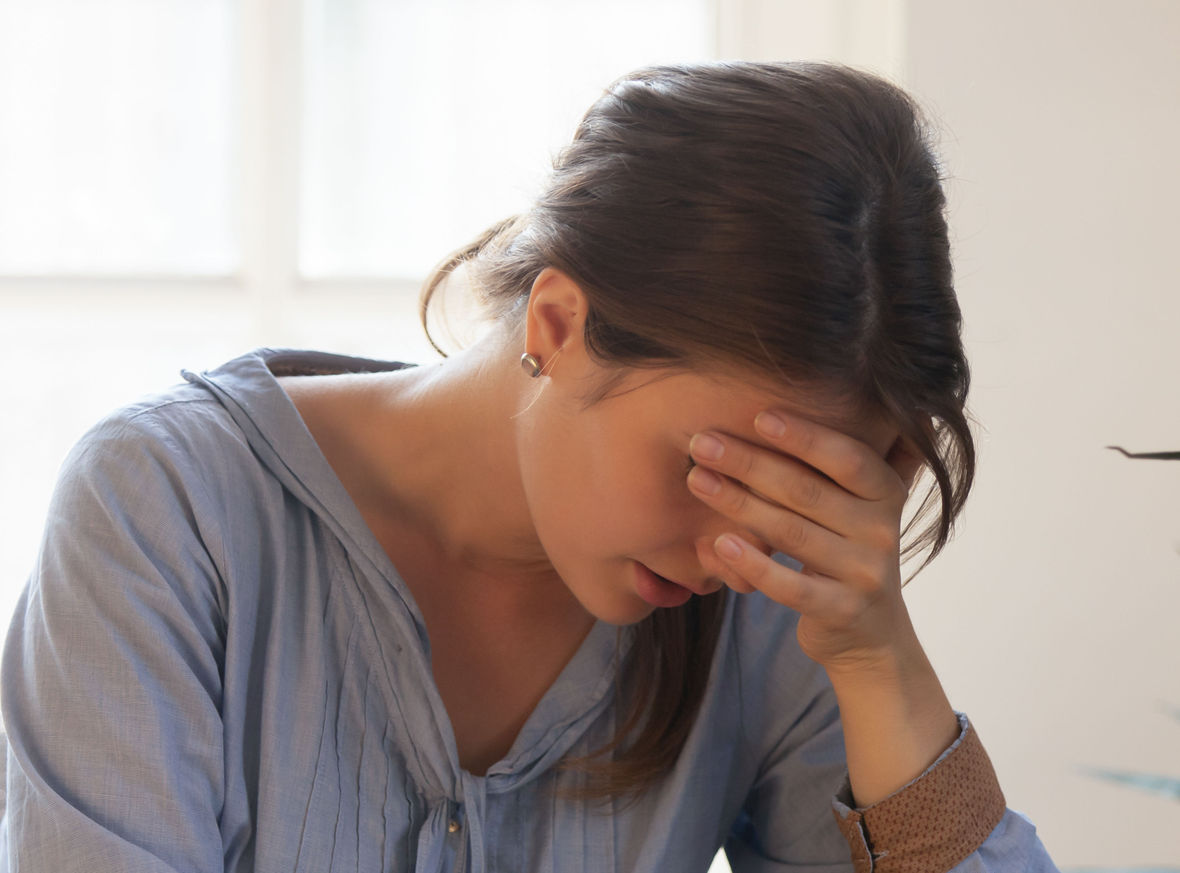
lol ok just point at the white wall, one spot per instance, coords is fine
(1054, 618)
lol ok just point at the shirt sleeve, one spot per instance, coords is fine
(112, 668)
(950, 818)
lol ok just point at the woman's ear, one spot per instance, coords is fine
(556, 318)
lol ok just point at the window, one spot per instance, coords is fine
(394, 177)
(115, 137)
(182, 180)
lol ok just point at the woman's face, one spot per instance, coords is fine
(606, 483)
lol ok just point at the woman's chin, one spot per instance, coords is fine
(623, 611)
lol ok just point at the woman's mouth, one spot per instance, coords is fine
(658, 591)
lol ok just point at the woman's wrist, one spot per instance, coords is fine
(896, 717)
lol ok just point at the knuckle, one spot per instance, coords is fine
(866, 569)
(793, 536)
(805, 439)
(732, 501)
(743, 464)
(855, 466)
(758, 571)
(899, 491)
(884, 538)
(804, 598)
(866, 578)
(808, 492)
(847, 610)
(737, 500)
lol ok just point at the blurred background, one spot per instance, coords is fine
(184, 180)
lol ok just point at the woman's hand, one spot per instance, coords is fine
(829, 501)
(833, 503)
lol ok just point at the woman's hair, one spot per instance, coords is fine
(785, 219)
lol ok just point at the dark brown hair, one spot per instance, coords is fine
(785, 219)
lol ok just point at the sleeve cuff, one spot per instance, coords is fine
(932, 823)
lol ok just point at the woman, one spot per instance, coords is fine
(528, 608)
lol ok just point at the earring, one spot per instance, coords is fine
(530, 365)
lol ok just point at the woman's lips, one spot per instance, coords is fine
(658, 591)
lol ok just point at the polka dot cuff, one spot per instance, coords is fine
(934, 822)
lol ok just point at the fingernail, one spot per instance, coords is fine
(728, 547)
(769, 424)
(706, 448)
(704, 481)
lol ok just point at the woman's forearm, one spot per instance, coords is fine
(897, 721)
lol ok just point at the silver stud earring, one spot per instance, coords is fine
(530, 365)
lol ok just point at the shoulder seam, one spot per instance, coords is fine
(172, 401)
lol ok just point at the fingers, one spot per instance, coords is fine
(821, 496)
(827, 499)
(850, 463)
(777, 478)
(715, 567)
(806, 593)
(787, 530)
(820, 550)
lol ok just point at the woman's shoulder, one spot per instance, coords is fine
(182, 432)
(173, 464)
(219, 426)
(223, 459)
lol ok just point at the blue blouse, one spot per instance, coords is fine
(214, 666)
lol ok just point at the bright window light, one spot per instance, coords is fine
(115, 137)
(425, 122)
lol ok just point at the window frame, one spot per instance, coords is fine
(265, 177)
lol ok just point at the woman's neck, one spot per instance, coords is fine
(441, 463)
(429, 456)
